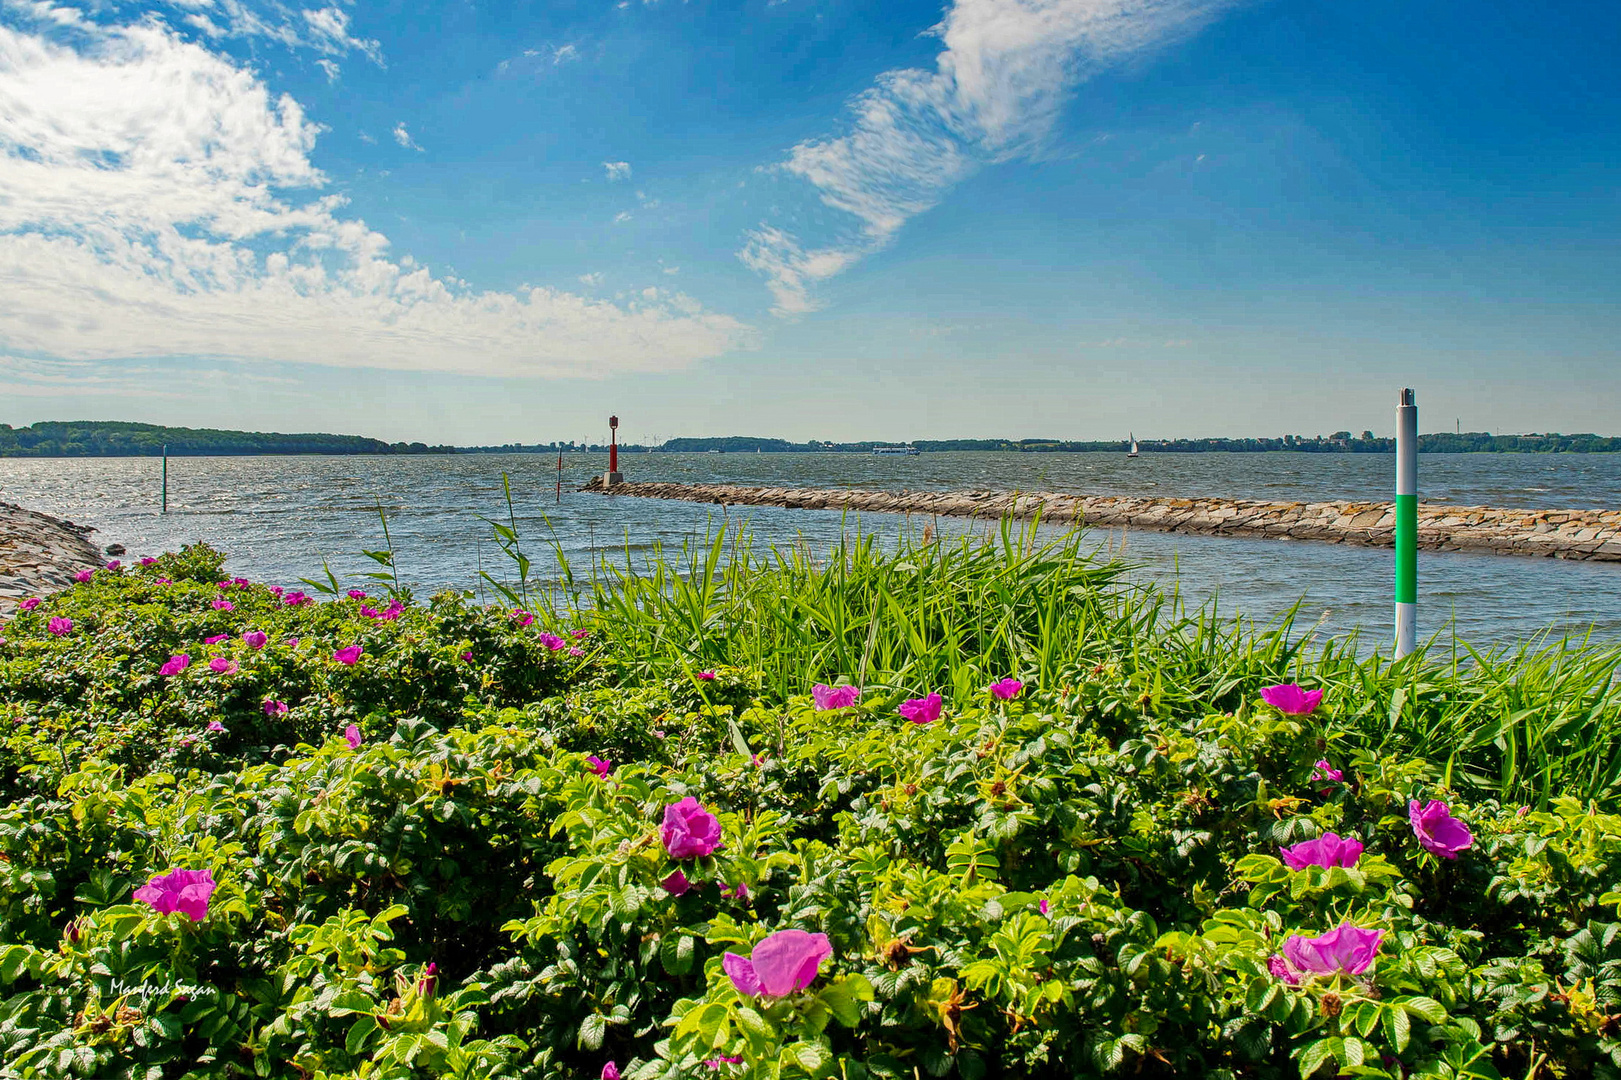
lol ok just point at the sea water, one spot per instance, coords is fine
(281, 518)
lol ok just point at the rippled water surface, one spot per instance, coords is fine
(279, 517)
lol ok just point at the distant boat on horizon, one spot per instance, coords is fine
(909, 451)
(1133, 451)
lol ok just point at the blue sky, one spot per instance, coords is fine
(476, 222)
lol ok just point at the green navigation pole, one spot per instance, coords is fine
(165, 478)
(1406, 524)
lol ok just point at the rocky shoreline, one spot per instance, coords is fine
(40, 554)
(1593, 535)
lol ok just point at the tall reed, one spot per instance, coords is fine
(1525, 725)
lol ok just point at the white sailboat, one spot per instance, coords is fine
(1133, 451)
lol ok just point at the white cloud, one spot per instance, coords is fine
(329, 32)
(621, 217)
(42, 12)
(157, 200)
(326, 30)
(330, 67)
(205, 24)
(997, 87)
(617, 170)
(564, 53)
(403, 137)
(789, 270)
(591, 280)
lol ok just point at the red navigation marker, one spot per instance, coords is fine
(613, 476)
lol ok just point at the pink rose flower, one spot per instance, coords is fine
(707, 676)
(1346, 948)
(689, 831)
(1327, 850)
(834, 697)
(215, 725)
(1324, 771)
(352, 736)
(356, 594)
(1290, 698)
(552, 641)
(275, 708)
(216, 639)
(114, 565)
(600, 766)
(83, 576)
(175, 664)
(255, 639)
(610, 1071)
(1438, 831)
(1280, 969)
(784, 963)
(1007, 689)
(923, 710)
(30, 604)
(222, 605)
(349, 654)
(676, 883)
(222, 666)
(185, 891)
(578, 634)
(59, 627)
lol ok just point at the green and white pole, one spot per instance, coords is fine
(1406, 525)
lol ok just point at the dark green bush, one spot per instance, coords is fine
(1083, 881)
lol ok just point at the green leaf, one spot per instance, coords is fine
(352, 1001)
(360, 1031)
(676, 952)
(592, 1030)
(1424, 1008)
(739, 743)
(843, 1000)
(1397, 1028)
(812, 1057)
(1261, 994)
(1315, 1056)
(13, 961)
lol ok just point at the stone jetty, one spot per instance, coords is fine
(40, 554)
(1562, 534)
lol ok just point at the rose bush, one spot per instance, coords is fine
(470, 854)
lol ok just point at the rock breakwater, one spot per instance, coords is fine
(40, 554)
(1564, 534)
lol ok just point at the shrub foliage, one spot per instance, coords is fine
(1084, 880)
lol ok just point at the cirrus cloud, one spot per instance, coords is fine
(998, 85)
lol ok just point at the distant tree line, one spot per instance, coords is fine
(1341, 442)
(116, 438)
